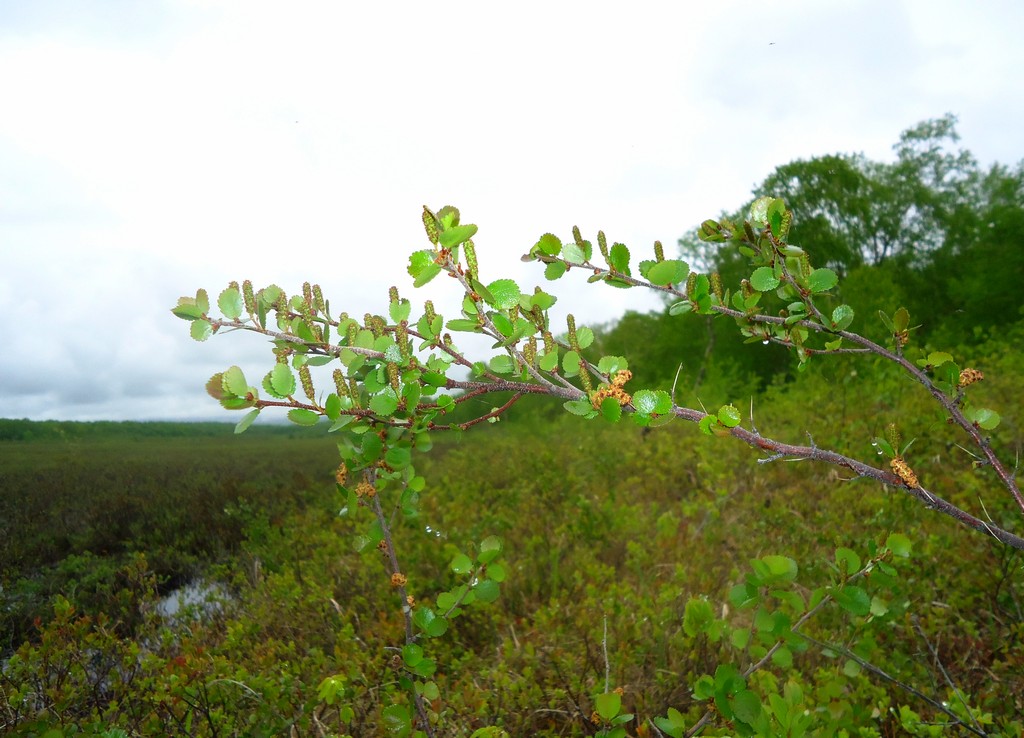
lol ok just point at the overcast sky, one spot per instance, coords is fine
(149, 148)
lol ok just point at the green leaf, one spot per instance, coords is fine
(554, 270)
(822, 280)
(302, 416)
(461, 324)
(584, 336)
(399, 310)
(582, 408)
(706, 424)
(490, 549)
(697, 616)
(618, 257)
(938, 358)
(847, 560)
(550, 244)
(396, 721)
(900, 320)
(230, 303)
(608, 704)
(456, 234)
(574, 253)
(759, 211)
(681, 308)
(385, 403)
(245, 422)
(234, 382)
(775, 569)
(763, 279)
(842, 316)
(746, 706)
(899, 544)
(422, 267)
(650, 402)
(853, 599)
(186, 309)
(487, 590)
(668, 272)
(504, 294)
(611, 410)
(729, 416)
(200, 330)
(461, 564)
(282, 381)
(612, 364)
(502, 364)
(571, 363)
(986, 419)
(398, 457)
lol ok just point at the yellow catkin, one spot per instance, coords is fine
(902, 470)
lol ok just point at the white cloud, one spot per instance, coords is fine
(149, 151)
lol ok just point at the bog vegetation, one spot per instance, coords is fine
(611, 570)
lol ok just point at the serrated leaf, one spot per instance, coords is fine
(550, 244)
(729, 416)
(385, 403)
(842, 316)
(396, 721)
(487, 590)
(584, 336)
(422, 267)
(200, 330)
(763, 279)
(618, 257)
(582, 408)
(455, 235)
(504, 294)
(230, 303)
(759, 211)
(554, 270)
(612, 364)
(399, 310)
(302, 416)
(853, 599)
(668, 272)
(681, 308)
(282, 381)
(234, 382)
(502, 364)
(461, 324)
(847, 560)
(611, 410)
(571, 363)
(822, 280)
(248, 420)
(490, 549)
(572, 252)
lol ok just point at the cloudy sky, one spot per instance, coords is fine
(151, 147)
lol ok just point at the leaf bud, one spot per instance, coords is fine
(248, 297)
(659, 251)
(746, 288)
(430, 225)
(307, 383)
